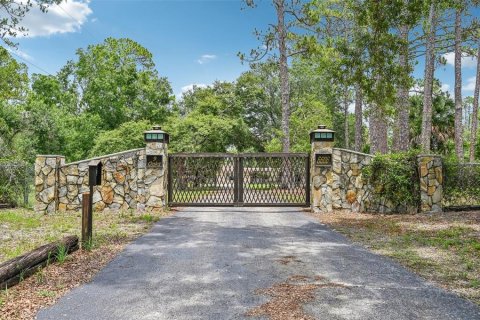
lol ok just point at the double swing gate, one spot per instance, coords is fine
(223, 179)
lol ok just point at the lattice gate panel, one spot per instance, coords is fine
(275, 179)
(202, 179)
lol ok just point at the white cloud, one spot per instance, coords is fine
(445, 87)
(21, 54)
(206, 58)
(190, 87)
(470, 85)
(416, 89)
(467, 61)
(66, 17)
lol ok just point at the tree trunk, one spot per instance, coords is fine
(473, 135)
(358, 118)
(16, 269)
(401, 139)
(284, 82)
(458, 86)
(378, 131)
(428, 81)
(346, 127)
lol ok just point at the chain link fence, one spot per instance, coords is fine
(461, 185)
(16, 184)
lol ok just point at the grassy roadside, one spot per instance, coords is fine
(22, 230)
(443, 248)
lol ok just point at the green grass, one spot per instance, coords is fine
(46, 293)
(61, 254)
(18, 220)
(22, 230)
(261, 186)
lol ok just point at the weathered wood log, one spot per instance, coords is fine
(17, 269)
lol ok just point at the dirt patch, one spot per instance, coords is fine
(288, 298)
(288, 259)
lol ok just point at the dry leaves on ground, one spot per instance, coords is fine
(288, 298)
(442, 247)
(45, 287)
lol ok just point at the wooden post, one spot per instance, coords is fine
(86, 218)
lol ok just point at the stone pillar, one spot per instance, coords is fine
(47, 170)
(156, 163)
(431, 180)
(321, 173)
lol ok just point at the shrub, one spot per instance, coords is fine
(127, 136)
(394, 178)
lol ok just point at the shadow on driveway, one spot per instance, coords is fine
(207, 263)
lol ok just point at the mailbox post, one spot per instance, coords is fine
(94, 179)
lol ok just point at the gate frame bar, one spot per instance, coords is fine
(238, 177)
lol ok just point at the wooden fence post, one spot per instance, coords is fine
(86, 218)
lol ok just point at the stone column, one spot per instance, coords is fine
(155, 178)
(321, 173)
(431, 180)
(47, 170)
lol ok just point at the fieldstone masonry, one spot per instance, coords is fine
(322, 178)
(156, 177)
(47, 169)
(341, 185)
(349, 190)
(128, 182)
(431, 180)
(131, 181)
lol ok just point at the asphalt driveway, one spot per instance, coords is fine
(207, 263)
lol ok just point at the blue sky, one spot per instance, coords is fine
(193, 42)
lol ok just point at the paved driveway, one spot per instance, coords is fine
(206, 263)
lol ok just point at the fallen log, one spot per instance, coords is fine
(17, 269)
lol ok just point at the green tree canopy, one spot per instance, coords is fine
(117, 81)
(128, 135)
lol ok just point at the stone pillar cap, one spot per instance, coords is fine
(322, 128)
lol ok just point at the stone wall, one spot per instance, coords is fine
(349, 190)
(431, 179)
(321, 179)
(46, 182)
(122, 182)
(343, 187)
(127, 183)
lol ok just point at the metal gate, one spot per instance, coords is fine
(223, 179)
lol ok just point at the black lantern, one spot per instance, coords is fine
(156, 135)
(322, 134)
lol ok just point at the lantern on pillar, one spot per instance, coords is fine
(156, 135)
(322, 134)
